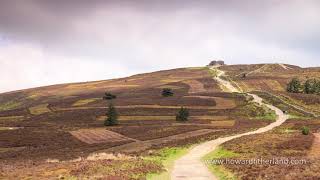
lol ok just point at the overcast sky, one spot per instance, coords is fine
(46, 42)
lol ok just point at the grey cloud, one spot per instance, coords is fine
(149, 35)
(57, 25)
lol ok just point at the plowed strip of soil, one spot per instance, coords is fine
(99, 135)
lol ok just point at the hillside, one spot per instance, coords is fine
(65, 122)
(273, 78)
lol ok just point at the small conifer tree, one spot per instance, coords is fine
(183, 114)
(294, 86)
(112, 116)
(109, 96)
(166, 92)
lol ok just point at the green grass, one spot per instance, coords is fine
(11, 118)
(293, 116)
(269, 115)
(256, 112)
(9, 105)
(219, 170)
(2, 150)
(166, 157)
(196, 68)
(212, 72)
(39, 109)
(286, 130)
(85, 101)
(8, 128)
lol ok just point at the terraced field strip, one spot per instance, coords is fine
(9, 128)
(40, 109)
(144, 145)
(224, 123)
(11, 118)
(225, 104)
(169, 86)
(142, 118)
(171, 118)
(122, 86)
(219, 124)
(170, 80)
(195, 86)
(98, 135)
(2, 150)
(85, 101)
(221, 103)
(9, 105)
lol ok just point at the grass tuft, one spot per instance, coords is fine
(166, 158)
(9, 105)
(219, 170)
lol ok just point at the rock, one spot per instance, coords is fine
(216, 63)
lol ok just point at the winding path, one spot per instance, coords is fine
(190, 166)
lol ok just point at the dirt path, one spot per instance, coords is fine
(228, 86)
(190, 165)
(285, 67)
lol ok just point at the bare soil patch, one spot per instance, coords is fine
(98, 135)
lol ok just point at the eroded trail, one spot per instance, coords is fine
(190, 166)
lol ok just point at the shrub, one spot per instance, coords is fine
(166, 92)
(317, 87)
(305, 130)
(310, 86)
(294, 86)
(183, 114)
(109, 96)
(112, 116)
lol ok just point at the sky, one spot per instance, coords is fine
(45, 42)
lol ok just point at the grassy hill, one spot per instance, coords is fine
(65, 122)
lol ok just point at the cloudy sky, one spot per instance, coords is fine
(46, 42)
